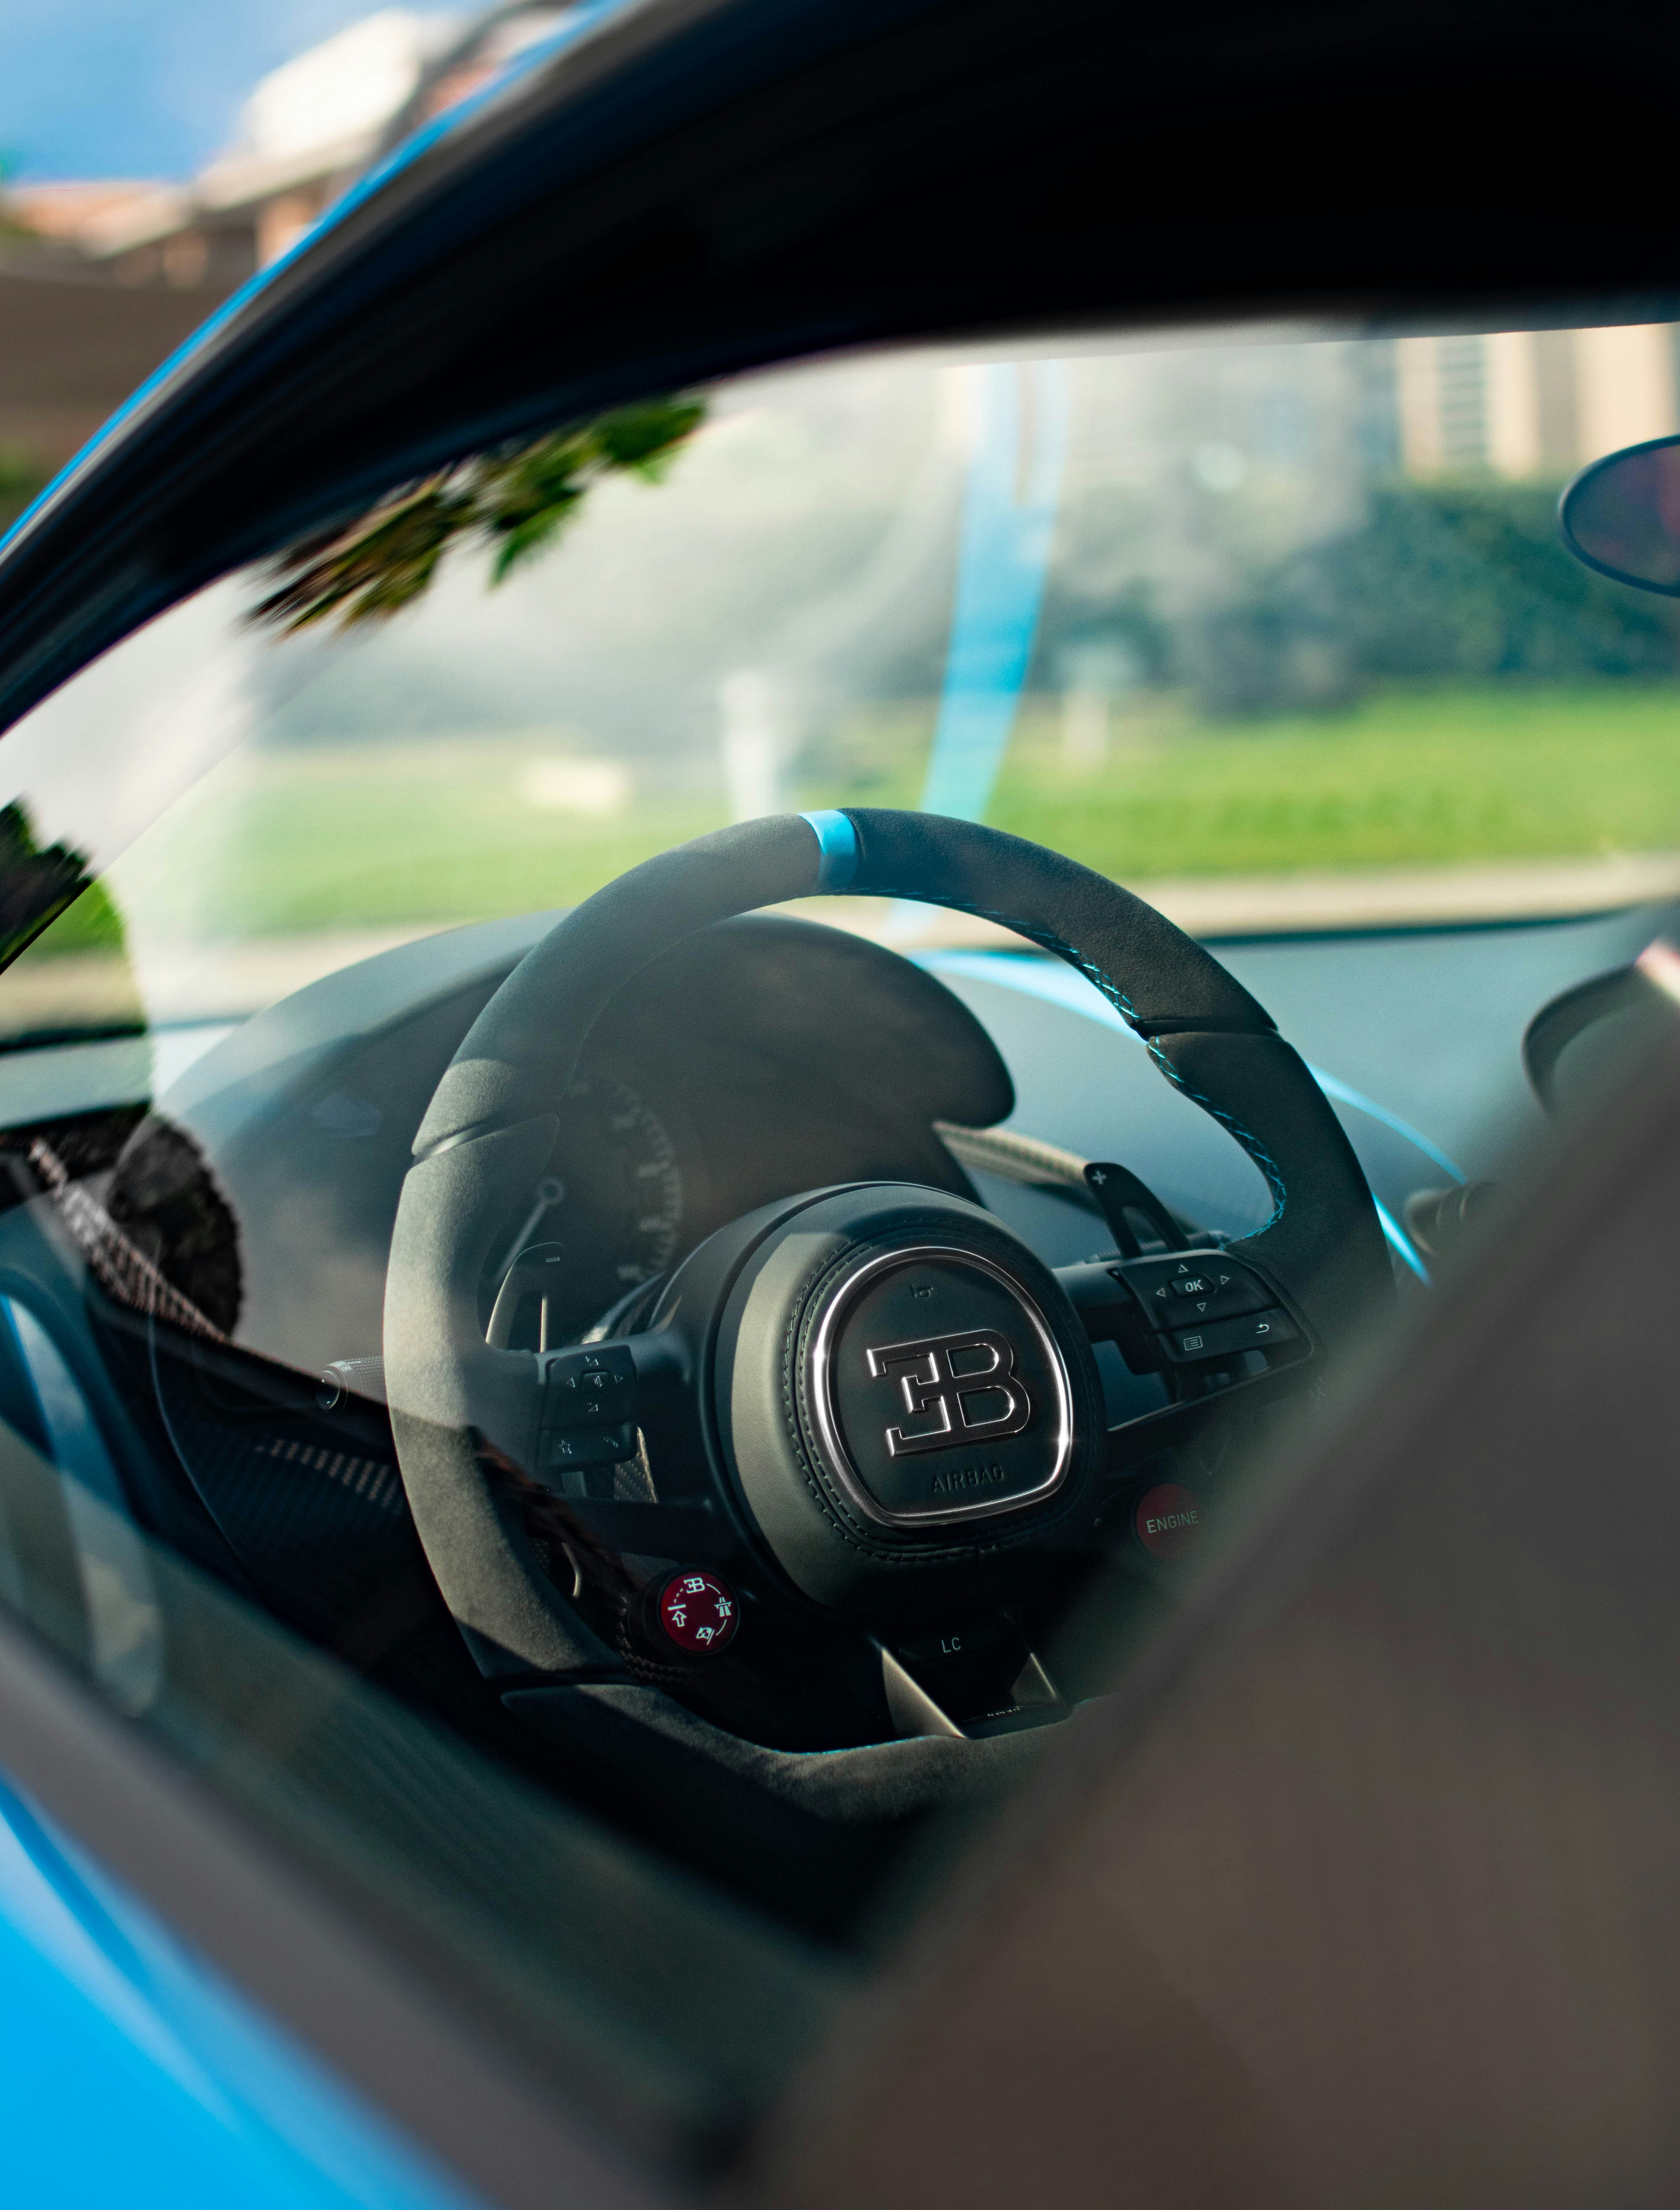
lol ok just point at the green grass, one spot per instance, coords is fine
(1410, 778)
(385, 837)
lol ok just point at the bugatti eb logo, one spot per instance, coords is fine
(957, 1389)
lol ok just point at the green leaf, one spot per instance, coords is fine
(517, 499)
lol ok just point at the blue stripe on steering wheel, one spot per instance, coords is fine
(837, 853)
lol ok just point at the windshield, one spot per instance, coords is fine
(1211, 619)
(1272, 626)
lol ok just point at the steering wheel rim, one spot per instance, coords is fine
(491, 1123)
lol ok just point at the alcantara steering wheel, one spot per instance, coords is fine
(867, 1417)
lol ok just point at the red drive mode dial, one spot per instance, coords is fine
(698, 1612)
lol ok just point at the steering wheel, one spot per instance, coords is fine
(868, 1410)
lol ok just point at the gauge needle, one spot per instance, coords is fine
(549, 1194)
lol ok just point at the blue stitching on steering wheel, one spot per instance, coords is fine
(1123, 1006)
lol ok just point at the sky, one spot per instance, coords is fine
(144, 87)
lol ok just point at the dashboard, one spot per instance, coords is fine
(766, 1056)
(251, 1209)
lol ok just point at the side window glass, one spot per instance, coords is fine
(374, 1512)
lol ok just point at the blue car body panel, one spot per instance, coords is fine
(129, 2072)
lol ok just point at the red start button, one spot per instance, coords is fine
(698, 1612)
(1168, 1520)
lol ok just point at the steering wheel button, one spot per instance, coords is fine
(1185, 1345)
(1167, 1520)
(586, 1388)
(604, 1446)
(698, 1612)
(1176, 1290)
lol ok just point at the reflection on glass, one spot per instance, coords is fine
(514, 500)
(1256, 623)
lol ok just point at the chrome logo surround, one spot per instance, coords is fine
(819, 1374)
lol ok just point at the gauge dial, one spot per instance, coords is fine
(611, 1199)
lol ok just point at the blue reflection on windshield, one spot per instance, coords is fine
(1018, 450)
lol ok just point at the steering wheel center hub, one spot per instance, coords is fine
(937, 1391)
(907, 1406)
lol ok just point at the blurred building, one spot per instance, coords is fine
(100, 280)
(1534, 402)
(69, 353)
(306, 131)
(73, 341)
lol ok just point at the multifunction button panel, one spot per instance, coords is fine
(589, 1416)
(1204, 1305)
